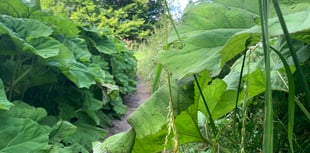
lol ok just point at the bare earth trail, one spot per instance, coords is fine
(133, 101)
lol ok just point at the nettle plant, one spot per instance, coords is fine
(61, 83)
(221, 60)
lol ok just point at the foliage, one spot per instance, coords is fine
(60, 83)
(214, 37)
(131, 20)
(147, 54)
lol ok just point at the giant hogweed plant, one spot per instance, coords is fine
(60, 83)
(219, 40)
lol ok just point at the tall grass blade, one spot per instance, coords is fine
(292, 51)
(291, 99)
(268, 125)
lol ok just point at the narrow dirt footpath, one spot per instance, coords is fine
(133, 101)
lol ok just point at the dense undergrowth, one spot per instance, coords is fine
(147, 54)
(214, 97)
(61, 83)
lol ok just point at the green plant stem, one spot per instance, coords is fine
(268, 119)
(171, 121)
(302, 108)
(13, 82)
(239, 83)
(21, 76)
(292, 51)
(244, 106)
(238, 92)
(172, 22)
(207, 108)
(159, 67)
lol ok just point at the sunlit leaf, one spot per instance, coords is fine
(60, 25)
(297, 23)
(219, 100)
(45, 47)
(188, 131)
(155, 108)
(119, 143)
(19, 8)
(204, 30)
(24, 28)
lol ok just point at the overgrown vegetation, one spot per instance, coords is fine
(61, 83)
(218, 84)
(236, 78)
(130, 20)
(147, 54)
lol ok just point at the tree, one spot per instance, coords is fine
(129, 19)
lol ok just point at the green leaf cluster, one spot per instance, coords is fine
(214, 36)
(131, 20)
(61, 83)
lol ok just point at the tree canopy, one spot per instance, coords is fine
(127, 19)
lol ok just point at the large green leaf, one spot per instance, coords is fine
(187, 132)
(152, 127)
(44, 47)
(21, 135)
(119, 143)
(187, 126)
(85, 135)
(24, 28)
(244, 5)
(218, 98)
(27, 35)
(187, 129)
(79, 73)
(4, 102)
(221, 94)
(98, 41)
(60, 25)
(154, 110)
(61, 130)
(297, 23)
(204, 30)
(287, 7)
(91, 106)
(19, 8)
(24, 110)
(78, 46)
